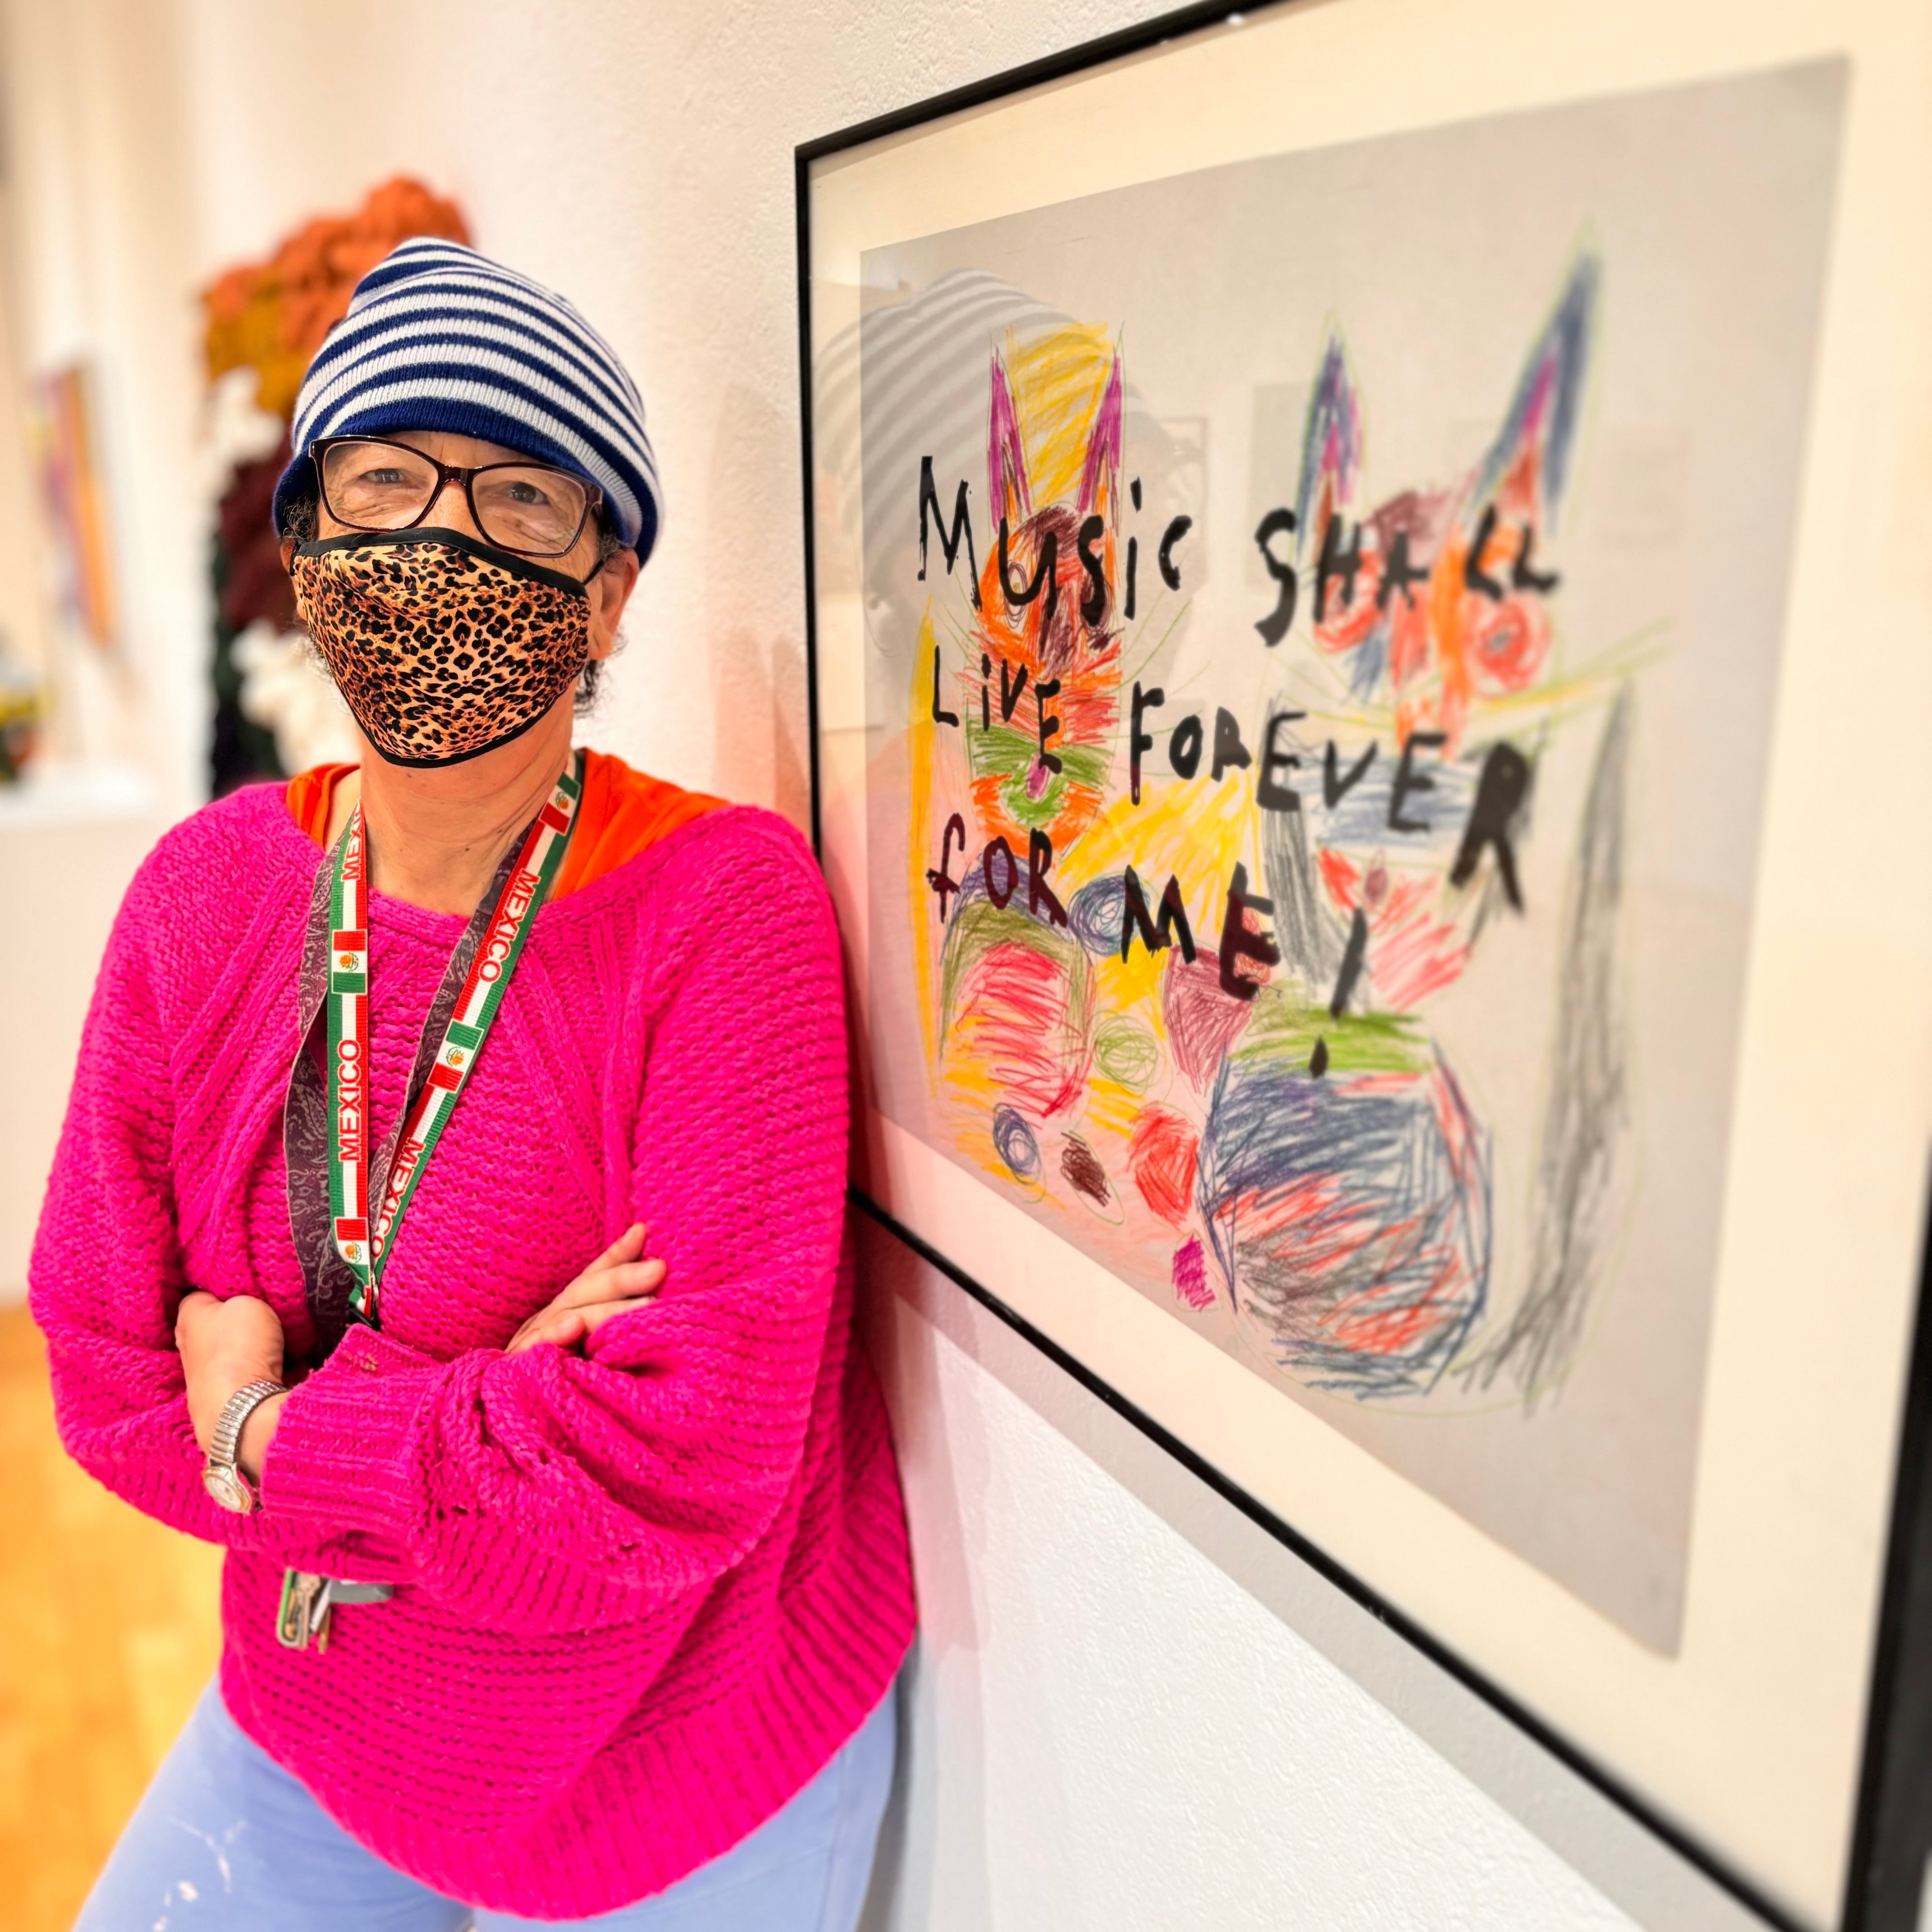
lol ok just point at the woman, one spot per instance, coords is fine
(558, 1589)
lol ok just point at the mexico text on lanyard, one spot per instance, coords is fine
(364, 1230)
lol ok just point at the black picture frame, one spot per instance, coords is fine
(1891, 1839)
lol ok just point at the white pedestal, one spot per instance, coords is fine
(70, 838)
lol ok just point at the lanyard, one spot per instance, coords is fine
(363, 1204)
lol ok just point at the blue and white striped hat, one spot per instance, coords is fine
(438, 337)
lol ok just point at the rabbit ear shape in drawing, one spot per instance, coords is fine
(1331, 445)
(1528, 466)
(1054, 425)
(1006, 453)
(1100, 476)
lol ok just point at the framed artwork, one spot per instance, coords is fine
(1369, 603)
(62, 429)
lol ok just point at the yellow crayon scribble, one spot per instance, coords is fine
(1192, 830)
(919, 825)
(1057, 380)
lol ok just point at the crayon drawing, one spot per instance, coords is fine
(62, 428)
(1328, 909)
(1272, 1103)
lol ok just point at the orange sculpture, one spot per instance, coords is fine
(271, 315)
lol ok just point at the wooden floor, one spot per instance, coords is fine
(108, 1632)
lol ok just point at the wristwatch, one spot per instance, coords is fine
(222, 1474)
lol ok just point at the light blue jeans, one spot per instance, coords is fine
(226, 1840)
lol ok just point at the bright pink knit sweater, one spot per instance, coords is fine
(645, 1593)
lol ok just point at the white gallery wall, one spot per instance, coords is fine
(1108, 1730)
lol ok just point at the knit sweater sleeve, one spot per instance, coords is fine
(106, 1276)
(546, 1491)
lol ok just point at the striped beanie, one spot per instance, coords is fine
(439, 337)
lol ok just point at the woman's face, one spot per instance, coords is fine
(609, 592)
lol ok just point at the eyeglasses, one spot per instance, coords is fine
(371, 483)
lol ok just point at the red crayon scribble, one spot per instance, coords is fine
(1414, 952)
(1014, 1021)
(1161, 1153)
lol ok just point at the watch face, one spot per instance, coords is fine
(227, 1488)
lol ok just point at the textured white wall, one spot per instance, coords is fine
(1108, 1732)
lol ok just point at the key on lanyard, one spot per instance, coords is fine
(306, 1600)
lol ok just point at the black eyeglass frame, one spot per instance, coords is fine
(448, 473)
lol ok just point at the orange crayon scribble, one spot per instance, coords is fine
(1162, 1155)
(1343, 878)
(1041, 717)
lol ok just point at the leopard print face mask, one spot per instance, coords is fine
(442, 647)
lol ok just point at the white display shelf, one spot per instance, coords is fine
(50, 795)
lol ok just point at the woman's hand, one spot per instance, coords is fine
(224, 1344)
(615, 1282)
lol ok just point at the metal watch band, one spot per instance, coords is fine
(235, 1412)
